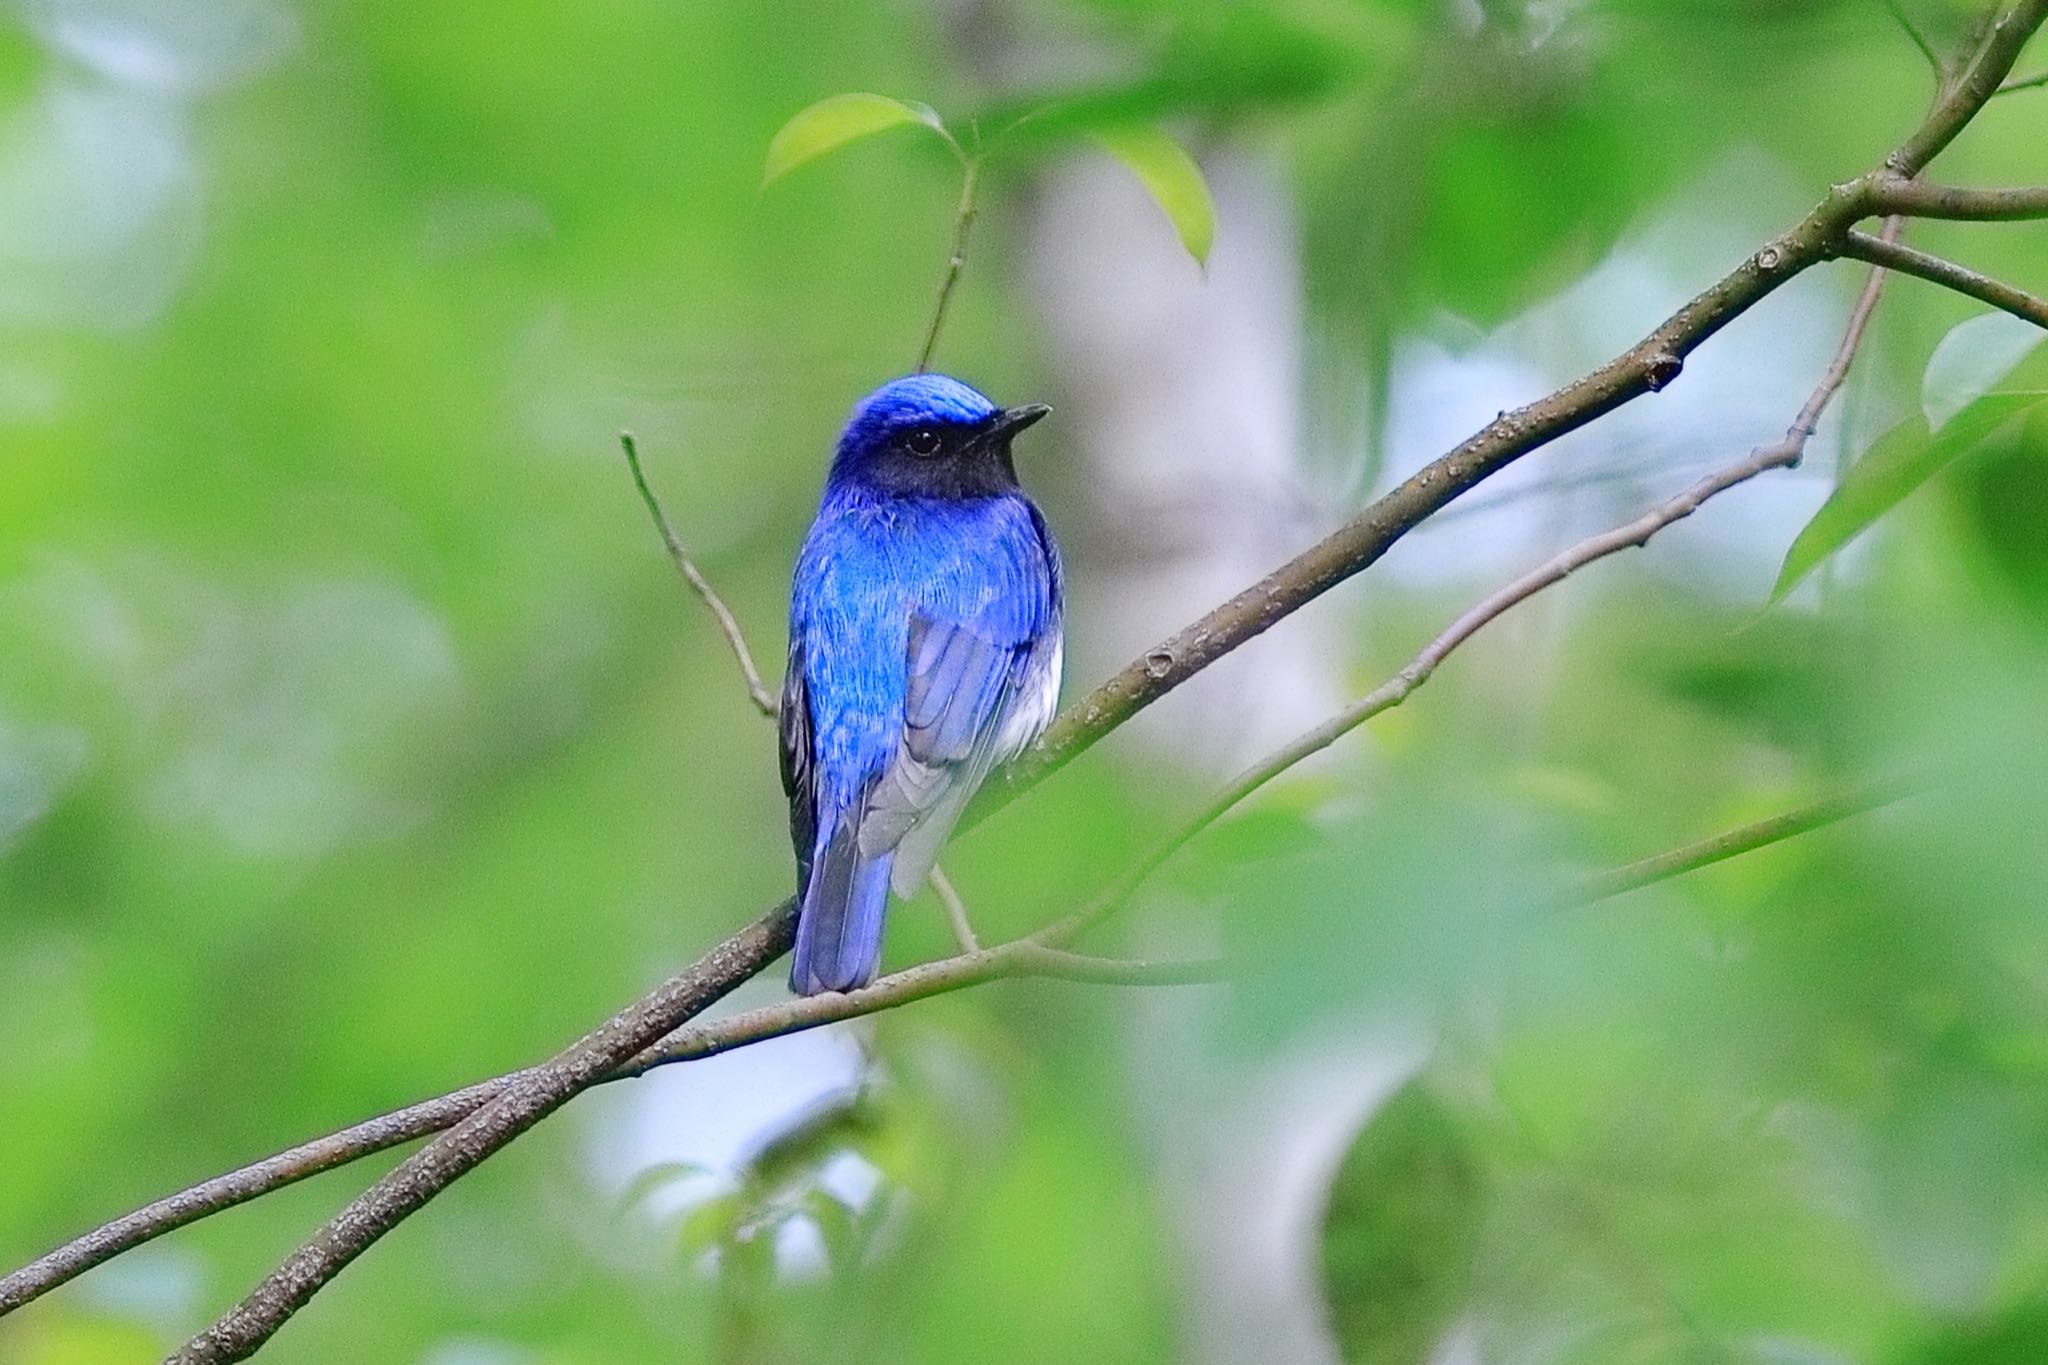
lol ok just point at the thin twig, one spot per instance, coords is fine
(956, 910)
(1061, 965)
(1925, 199)
(1979, 81)
(728, 624)
(1024, 957)
(1919, 38)
(2034, 82)
(1837, 373)
(1909, 261)
(956, 260)
(1743, 839)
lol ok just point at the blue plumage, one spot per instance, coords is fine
(924, 649)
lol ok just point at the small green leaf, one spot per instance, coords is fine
(2003, 495)
(836, 120)
(868, 1221)
(1904, 458)
(794, 1156)
(1171, 177)
(657, 1177)
(837, 1228)
(1971, 360)
(712, 1224)
(1401, 1234)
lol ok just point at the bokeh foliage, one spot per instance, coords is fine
(355, 742)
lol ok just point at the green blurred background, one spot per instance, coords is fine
(356, 740)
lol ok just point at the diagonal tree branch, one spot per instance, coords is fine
(1644, 368)
(1908, 261)
(1019, 958)
(532, 1096)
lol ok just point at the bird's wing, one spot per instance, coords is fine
(1028, 706)
(799, 773)
(961, 697)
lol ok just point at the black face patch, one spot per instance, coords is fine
(946, 460)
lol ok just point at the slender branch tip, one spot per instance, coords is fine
(728, 624)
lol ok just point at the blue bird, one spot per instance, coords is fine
(924, 650)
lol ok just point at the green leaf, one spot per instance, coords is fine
(1401, 1233)
(1171, 177)
(657, 1177)
(2002, 497)
(1971, 360)
(836, 120)
(1904, 458)
(794, 1156)
(712, 1224)
(837, 1228)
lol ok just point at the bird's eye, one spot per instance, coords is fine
(923, 441)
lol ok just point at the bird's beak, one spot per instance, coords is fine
(1010, 421)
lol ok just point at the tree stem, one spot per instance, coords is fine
(956, 260)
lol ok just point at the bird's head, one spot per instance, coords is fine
(933, 437)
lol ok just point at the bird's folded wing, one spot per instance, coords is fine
(799, 769)
(961, 690)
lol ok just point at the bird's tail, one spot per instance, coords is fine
(839, 927)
